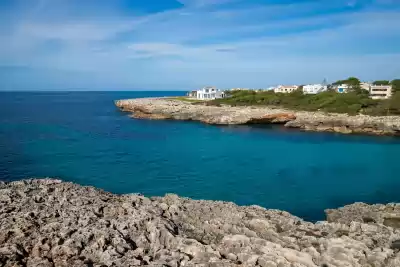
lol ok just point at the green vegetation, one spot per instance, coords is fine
(354, 102)
(353, 83)
(396, 85)
(381, 82)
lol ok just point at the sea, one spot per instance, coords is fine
(83, 138)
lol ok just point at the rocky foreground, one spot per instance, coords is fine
(164, 108)
(52, 223)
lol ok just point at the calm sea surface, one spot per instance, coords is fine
(82, 137)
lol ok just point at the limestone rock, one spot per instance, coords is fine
(273, 118)
(167, 108)
(52, 223)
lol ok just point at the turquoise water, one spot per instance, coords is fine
(82, 137)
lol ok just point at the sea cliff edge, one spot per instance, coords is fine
(48, 222)
(169, 108)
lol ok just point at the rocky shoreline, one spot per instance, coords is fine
(164, 108)
(52, 223)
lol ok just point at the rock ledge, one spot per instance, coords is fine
(164, 108)
(52, 223)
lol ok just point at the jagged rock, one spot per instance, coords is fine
(52, 223)
(142, 113)
(388, 215)
(281, 118)
(167, 108)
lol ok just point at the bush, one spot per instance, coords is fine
(329, 101)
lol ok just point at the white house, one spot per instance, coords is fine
(286, 88)
(366, 86)
(380, 91)
(314, 88)
(343, 88)
(208, 93)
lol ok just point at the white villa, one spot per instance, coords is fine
(207, 93)
(314, 88)
(343, 88)
(286, 88)
(366, 86)
(380, 91)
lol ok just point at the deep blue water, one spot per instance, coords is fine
(82, 137)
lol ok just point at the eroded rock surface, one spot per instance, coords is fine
(388, 215)
(164, 108)
(52, 223)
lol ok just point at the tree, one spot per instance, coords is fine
(395, 85)
(394, 104)
(352, 81)
(339, 82)
(381, 82)
(354, 85)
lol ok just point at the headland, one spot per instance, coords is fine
(170, 108)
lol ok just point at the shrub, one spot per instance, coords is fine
(329, 101)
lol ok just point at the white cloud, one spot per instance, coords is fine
(191, 45)
(352, 3)
(203, 3)
(68, 31)
(183, 52)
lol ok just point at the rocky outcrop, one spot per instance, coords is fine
(280, 118)
(164, 108)
(142, 113)
(222, 115)
(52, 223)
(343, 123)
(388, 215)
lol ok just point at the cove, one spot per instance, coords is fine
(82, 137)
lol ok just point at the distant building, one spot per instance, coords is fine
(207, 93)
(380, 91)
(343, 88)
(286, 88)
(192, 94)
(314, 88)
(238, 89)
(365, 86)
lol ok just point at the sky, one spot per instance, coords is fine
(187, 44)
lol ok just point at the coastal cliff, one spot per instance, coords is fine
(52, 223)
(164, 108)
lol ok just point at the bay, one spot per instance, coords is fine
(82, 137)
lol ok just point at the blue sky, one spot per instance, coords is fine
(185, 44)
